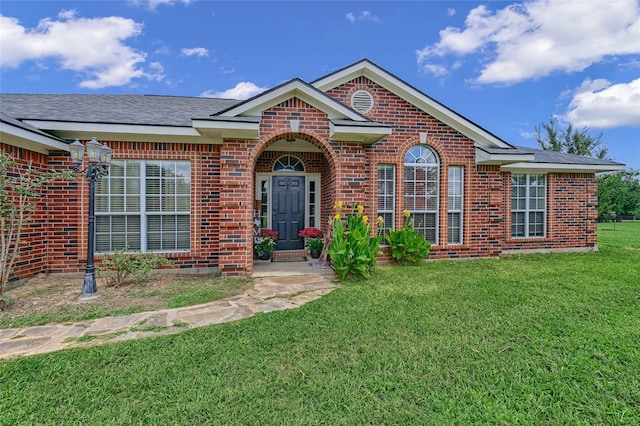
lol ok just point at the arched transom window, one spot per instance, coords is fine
(421, 183)
(288, 163)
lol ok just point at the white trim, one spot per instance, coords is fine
(316, 177)
(393, 195)
(379, 76)
(528, 210)
(484, 157)
(23, 138)
(540, 168)
(143, 129)
(293, 89)
(143, 213)
(461, 210)
(363, 134)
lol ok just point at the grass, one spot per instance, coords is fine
(533, 339)
(183, 292)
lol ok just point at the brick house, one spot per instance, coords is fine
(190, 174)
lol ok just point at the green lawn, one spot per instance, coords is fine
(536, 339)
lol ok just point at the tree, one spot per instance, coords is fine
(20, 188)
(571, 141)
(619, 192)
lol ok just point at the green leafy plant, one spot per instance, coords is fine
(265, 243)
(20, 188)
(124, 267)
(406, 245)
(353, 250)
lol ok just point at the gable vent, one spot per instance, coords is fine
(362, 101)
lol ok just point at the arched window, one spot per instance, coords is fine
(288, 163)
(421, 187)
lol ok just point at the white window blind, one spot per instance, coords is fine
(144, 206)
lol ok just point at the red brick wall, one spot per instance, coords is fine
(58, 240)
(314, 128)
(572, 209)
(223, 189)
(33, 250)
(571, 214)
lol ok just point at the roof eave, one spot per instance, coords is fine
(217, 128)
(366, 135)
(411, 95)
(487, 158)
(23, 138)
(526, 167)
(118, 132)
(298, 89)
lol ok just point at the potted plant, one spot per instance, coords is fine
(265, 243)
(313, 241)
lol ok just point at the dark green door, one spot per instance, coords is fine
(288, 211)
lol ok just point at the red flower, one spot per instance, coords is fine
(307, 233)
(268, 233)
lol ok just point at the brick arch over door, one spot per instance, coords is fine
(329, 180)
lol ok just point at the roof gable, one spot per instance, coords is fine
(412, 95)
(295, 88)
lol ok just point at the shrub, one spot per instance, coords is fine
(21, 187)
(353, 250)
(406, 245)
(124, 267)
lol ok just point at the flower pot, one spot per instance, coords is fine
(264, 256)
(315, 254)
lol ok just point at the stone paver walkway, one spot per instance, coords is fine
(267, 295)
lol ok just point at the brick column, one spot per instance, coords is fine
(236, 243)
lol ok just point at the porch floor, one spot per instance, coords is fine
(267, 268)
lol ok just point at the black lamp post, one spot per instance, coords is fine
(99, 157)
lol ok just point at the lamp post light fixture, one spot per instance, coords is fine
(99, 158)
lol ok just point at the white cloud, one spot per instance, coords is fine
(365, 15)
(153, 4)
(242, 90)
(451, 11)
(94, 48)
(197, 51)
(600, 104)
(536, 38)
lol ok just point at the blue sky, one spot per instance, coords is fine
(508, 66)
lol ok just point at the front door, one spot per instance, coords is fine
(288, 211)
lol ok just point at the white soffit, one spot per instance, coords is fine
(363, 134)
(23, 138)
(120, 132)
(415, 97)
(560, 168)
(486, 158)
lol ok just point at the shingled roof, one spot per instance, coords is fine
(112, 109)
(553, 157)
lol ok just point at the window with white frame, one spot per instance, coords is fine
(528, 205)
(144, 205)
(386, 197)
(421, 181)
(454, 217)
